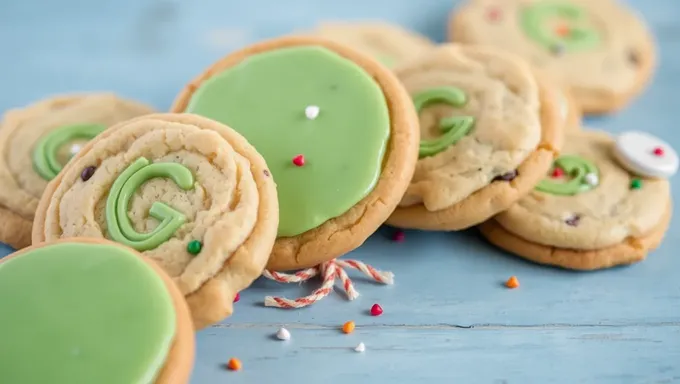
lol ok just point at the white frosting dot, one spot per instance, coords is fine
(312, 112)
(283, 334)
(592, 179)
(75, 148)
(635, 152)
(360, 348)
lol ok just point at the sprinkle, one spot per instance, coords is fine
(508, 176)
(312, 112)
(658, 151)
(557, 172)
(562, 30)
(234, 364)
(87, 173)
(376, 310)
(512, 282)
(360, 348)
(237, 297)
(283, 334)
(572, 220)
(348, 327)
(494, 14)
(399, 236)
(299, 160)
(75, 148)
(266, 173)
(634, 58)
(194, 247)
(592, 179)
(636, 184)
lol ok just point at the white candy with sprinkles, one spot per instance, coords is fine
(646, 155)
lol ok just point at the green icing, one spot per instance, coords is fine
(264, 98)
(534, 20)
(576, 169)
(118, 223)
(45, 153)
(454, 127)
(75, 313)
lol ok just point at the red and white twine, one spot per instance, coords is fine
(329, 271)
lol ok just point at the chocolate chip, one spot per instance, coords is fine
(634, 58)
(573, 220)
(557, 49)
(508, 176)
(266, 173)
(87, 173)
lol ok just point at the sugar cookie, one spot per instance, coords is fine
(588, 213)
(340, 172)
(388, 43)
(490, 131)
(91, 311)
(601, 49)
(35, 143)
(187, 192)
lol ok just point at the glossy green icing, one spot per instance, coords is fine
(576, 168)
(45, 161)
(535, 19)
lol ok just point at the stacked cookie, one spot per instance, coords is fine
(502, 146)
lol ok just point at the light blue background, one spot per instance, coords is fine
(448, 318)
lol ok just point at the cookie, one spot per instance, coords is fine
(489, 132)
(569, 111)
(600, 49)
(38, 140)
(185, 191)
(338, 132)
(388, 43)
(590, 212)
(91, 311)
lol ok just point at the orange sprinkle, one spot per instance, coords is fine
(348, 327)
(562, 30)
(234, 364)
(512, 282)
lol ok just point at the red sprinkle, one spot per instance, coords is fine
(299, 160)
(658, 151)
(376, 310)
(237, 297)
(494, 14)
(557, 172)
(399, 236)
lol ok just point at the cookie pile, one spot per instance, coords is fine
(291, 152)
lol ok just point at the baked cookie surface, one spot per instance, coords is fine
(91, 311)
(489, 131)
(388, 43)
(600, 49)
(187, 192)
(38, 140)
(337, 130)
(591, 212)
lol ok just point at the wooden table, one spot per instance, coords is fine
(448, 318)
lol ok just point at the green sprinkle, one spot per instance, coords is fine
(636, 184)
(194, 247)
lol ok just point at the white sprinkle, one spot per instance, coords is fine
(75, 148)
(360, 348)
(283, 334)
(312, 112)
(592, 179)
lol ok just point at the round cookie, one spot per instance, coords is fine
(185, 191)
(588, 213)
(600, 49)
(38, 140)
(91, 311)
(569, 111)
(336, 128)
(489, 132)
(388, 43)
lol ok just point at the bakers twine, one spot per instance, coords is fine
(329, 271)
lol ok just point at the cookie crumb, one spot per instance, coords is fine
(312, 112)
(399, 236)
(636, 184)
(360, 348)
(299, 160)
(283, 334)
(234, 364)
(194, 247)
(512, 282)
(348, 327)
(87, 173)
(376, 310)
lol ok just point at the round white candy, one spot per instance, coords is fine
(312, 112)
(592, 179)
(635, 152)
(283, 334)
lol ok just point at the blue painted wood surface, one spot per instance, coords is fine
(448, 318)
